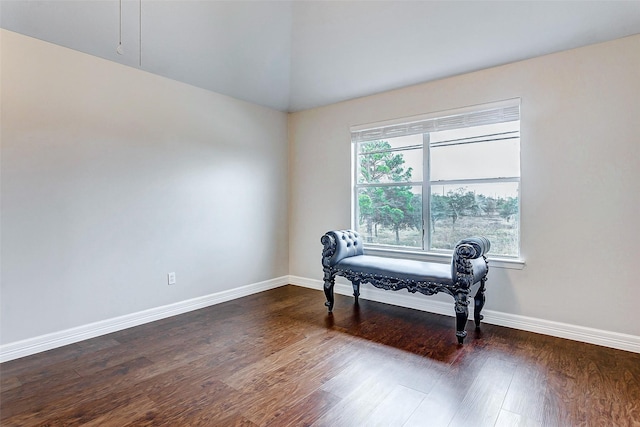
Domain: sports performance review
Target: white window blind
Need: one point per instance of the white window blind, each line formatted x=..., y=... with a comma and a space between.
x=501, y=112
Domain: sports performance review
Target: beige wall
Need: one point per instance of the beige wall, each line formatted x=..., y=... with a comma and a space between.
x=580, y=153
x=112, y=177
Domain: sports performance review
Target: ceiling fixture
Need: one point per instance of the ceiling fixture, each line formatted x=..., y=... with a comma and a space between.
x=140, y=33
x=119, y=49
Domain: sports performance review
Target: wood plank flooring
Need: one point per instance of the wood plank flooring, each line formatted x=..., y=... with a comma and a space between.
x=278, y=359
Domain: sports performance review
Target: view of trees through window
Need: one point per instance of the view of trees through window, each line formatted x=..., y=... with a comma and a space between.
x=390, y=187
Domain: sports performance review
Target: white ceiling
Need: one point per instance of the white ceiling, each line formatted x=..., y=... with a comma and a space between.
x=293, y=55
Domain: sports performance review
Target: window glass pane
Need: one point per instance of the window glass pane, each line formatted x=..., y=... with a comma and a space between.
x=391, y=215
x=489, y=210
x=472, y=169
x=480, y=152
x=401, y=142
x=391, y=160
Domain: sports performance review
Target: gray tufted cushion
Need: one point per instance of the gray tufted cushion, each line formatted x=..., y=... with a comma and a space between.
x=404, y=269
x=348, y=244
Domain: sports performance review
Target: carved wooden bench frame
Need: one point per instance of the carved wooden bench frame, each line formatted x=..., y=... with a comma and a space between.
x=459, y=289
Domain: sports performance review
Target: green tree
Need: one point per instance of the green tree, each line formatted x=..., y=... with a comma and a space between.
x=397, y=209
x=370, y=200
x=453, y=205
x=507, y=207
x=378, y=164
x=439, y=209
x=488, y=205
x=388, y=206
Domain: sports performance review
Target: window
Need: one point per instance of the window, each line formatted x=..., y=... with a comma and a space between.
x=426, y=182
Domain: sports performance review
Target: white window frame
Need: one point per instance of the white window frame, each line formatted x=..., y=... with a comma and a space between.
x=424, y=124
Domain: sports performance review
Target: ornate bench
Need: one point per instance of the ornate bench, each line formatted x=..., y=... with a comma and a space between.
x=343, y=255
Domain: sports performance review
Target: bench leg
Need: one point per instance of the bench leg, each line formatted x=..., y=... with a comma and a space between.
x=329, y=281
x=462, y=315
x=478, y=304
x=356, y=289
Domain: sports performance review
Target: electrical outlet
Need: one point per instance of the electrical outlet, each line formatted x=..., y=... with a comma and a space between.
x=171, y=278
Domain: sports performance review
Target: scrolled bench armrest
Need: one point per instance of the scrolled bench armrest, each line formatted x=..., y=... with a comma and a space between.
x=472, y=247
x=466, y=267
x=329, y=248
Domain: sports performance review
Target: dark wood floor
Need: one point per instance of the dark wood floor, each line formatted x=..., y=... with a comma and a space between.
x=278, y=359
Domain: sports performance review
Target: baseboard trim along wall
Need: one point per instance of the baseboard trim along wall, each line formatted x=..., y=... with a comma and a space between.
x=46, y=342
x=42, y=343
x=530, y=324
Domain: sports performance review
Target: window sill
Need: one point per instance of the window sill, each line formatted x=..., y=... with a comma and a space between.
x=497, y=262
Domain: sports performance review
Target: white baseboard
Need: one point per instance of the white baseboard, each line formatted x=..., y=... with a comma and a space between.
x=46, y=342
x=547, y=327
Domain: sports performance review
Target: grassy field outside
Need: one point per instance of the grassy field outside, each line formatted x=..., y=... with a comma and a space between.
x=502, y=234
